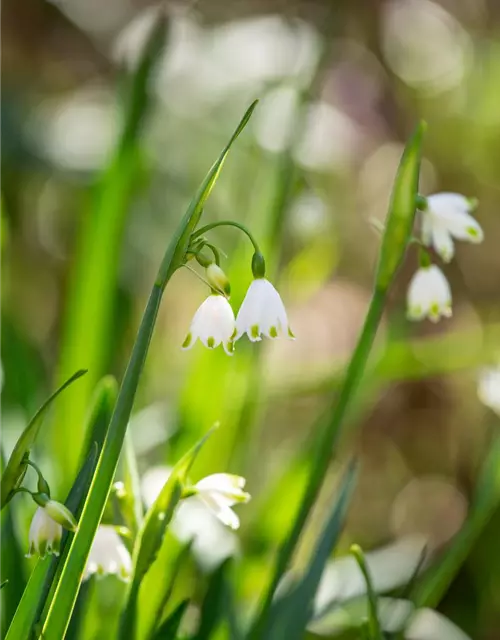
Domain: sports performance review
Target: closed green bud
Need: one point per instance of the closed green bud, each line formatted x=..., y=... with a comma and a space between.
x=399, y=222
x=61, y=514
x=218, y=280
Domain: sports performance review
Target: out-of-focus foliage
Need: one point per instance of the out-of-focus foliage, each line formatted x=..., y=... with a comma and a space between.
x=341, y=86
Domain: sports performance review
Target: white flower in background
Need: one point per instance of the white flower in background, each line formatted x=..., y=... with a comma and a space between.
x=44, y=535
x=213, y=324
x=447, y=217
x=262, y=313
x=488, y=388
x=219, y=492
x=429, y=295
x=212, y=542
x=108, y=555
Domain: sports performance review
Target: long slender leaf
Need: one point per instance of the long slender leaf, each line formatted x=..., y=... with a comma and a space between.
x=394, y=243
x=152, y=533
x=40, y=582
x=93, y=282
x=58, y=617
x=290, y=616
x=16, y=466
x=168, y=630
x=436, y=581
x=213, y=606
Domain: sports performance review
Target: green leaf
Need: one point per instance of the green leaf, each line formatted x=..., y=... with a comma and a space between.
x=41, y=580
x=58, y=616
x=400, y=218
x=291, y=614
x=433, y=586
x=328, y=430
x=102, y=404
x=373, y=624
x=132, y=509
x=192, y=216
x=87, y=331
x=213, y=607
x=169, y=628
x=150, y=537
x=16, y=467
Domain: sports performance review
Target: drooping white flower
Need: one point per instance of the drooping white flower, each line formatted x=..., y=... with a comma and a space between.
x=211, y=541
x=108, y=555
x=213, y=323
x=447, y=217
x=219, y=492
x=488, y=388
x=429, y=295
x=44, y=535
x=262, y=313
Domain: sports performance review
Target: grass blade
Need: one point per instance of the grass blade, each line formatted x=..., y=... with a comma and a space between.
x=16, y=466
x=92, y=286
x=37, y=591
x=374, y=630
x=436, y=580
x=290, y=616
x=168, y=629
x=150, y=538
x=398, y=228
x=64, y=600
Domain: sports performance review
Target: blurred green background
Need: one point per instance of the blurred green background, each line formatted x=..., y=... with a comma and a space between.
x=92, y=190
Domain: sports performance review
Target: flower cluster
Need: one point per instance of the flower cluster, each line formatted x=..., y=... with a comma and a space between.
x=445, y=217
x=262, y=312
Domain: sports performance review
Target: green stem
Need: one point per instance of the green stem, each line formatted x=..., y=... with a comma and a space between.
x=375, y=633
x=227, y=223
x=321, y=457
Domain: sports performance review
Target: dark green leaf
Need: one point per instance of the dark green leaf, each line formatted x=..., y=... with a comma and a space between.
x=169, y=628
x=16, y=466
x=36, y=594
x=290, y=615
x=213, y=608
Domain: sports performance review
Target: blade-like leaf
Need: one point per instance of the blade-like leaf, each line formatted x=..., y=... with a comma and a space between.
x=132, y=509
x=168, y=629
x=213, y=606
x=37, y=591
x=150, y=537
x=430, y=590
x=290, y=616
x=16, y=466
x=58, y=616
x=88, y=319
x=394, y=243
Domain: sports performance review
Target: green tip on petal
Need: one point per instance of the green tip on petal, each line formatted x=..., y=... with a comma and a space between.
x=473, y=203
x=273, y=332
x=254, y=331
x=187, y=342
x=230, y=346
x=211, y=342
x=291, y=334
x=472, y=232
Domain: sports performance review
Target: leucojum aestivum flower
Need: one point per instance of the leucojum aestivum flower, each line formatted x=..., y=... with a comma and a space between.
x=262, y=312
x=445, y=217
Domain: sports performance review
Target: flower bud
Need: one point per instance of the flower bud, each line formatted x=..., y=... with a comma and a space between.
x=60, y=514
x=218, y=279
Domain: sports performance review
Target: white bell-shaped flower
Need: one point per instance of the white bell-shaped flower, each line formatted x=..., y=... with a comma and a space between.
x=447, y=217
x=262, y=313
x=219, y=492
x=108, y=555
x=213, y=324
x=488, y=388
x=44, y=535
x=429, y=294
